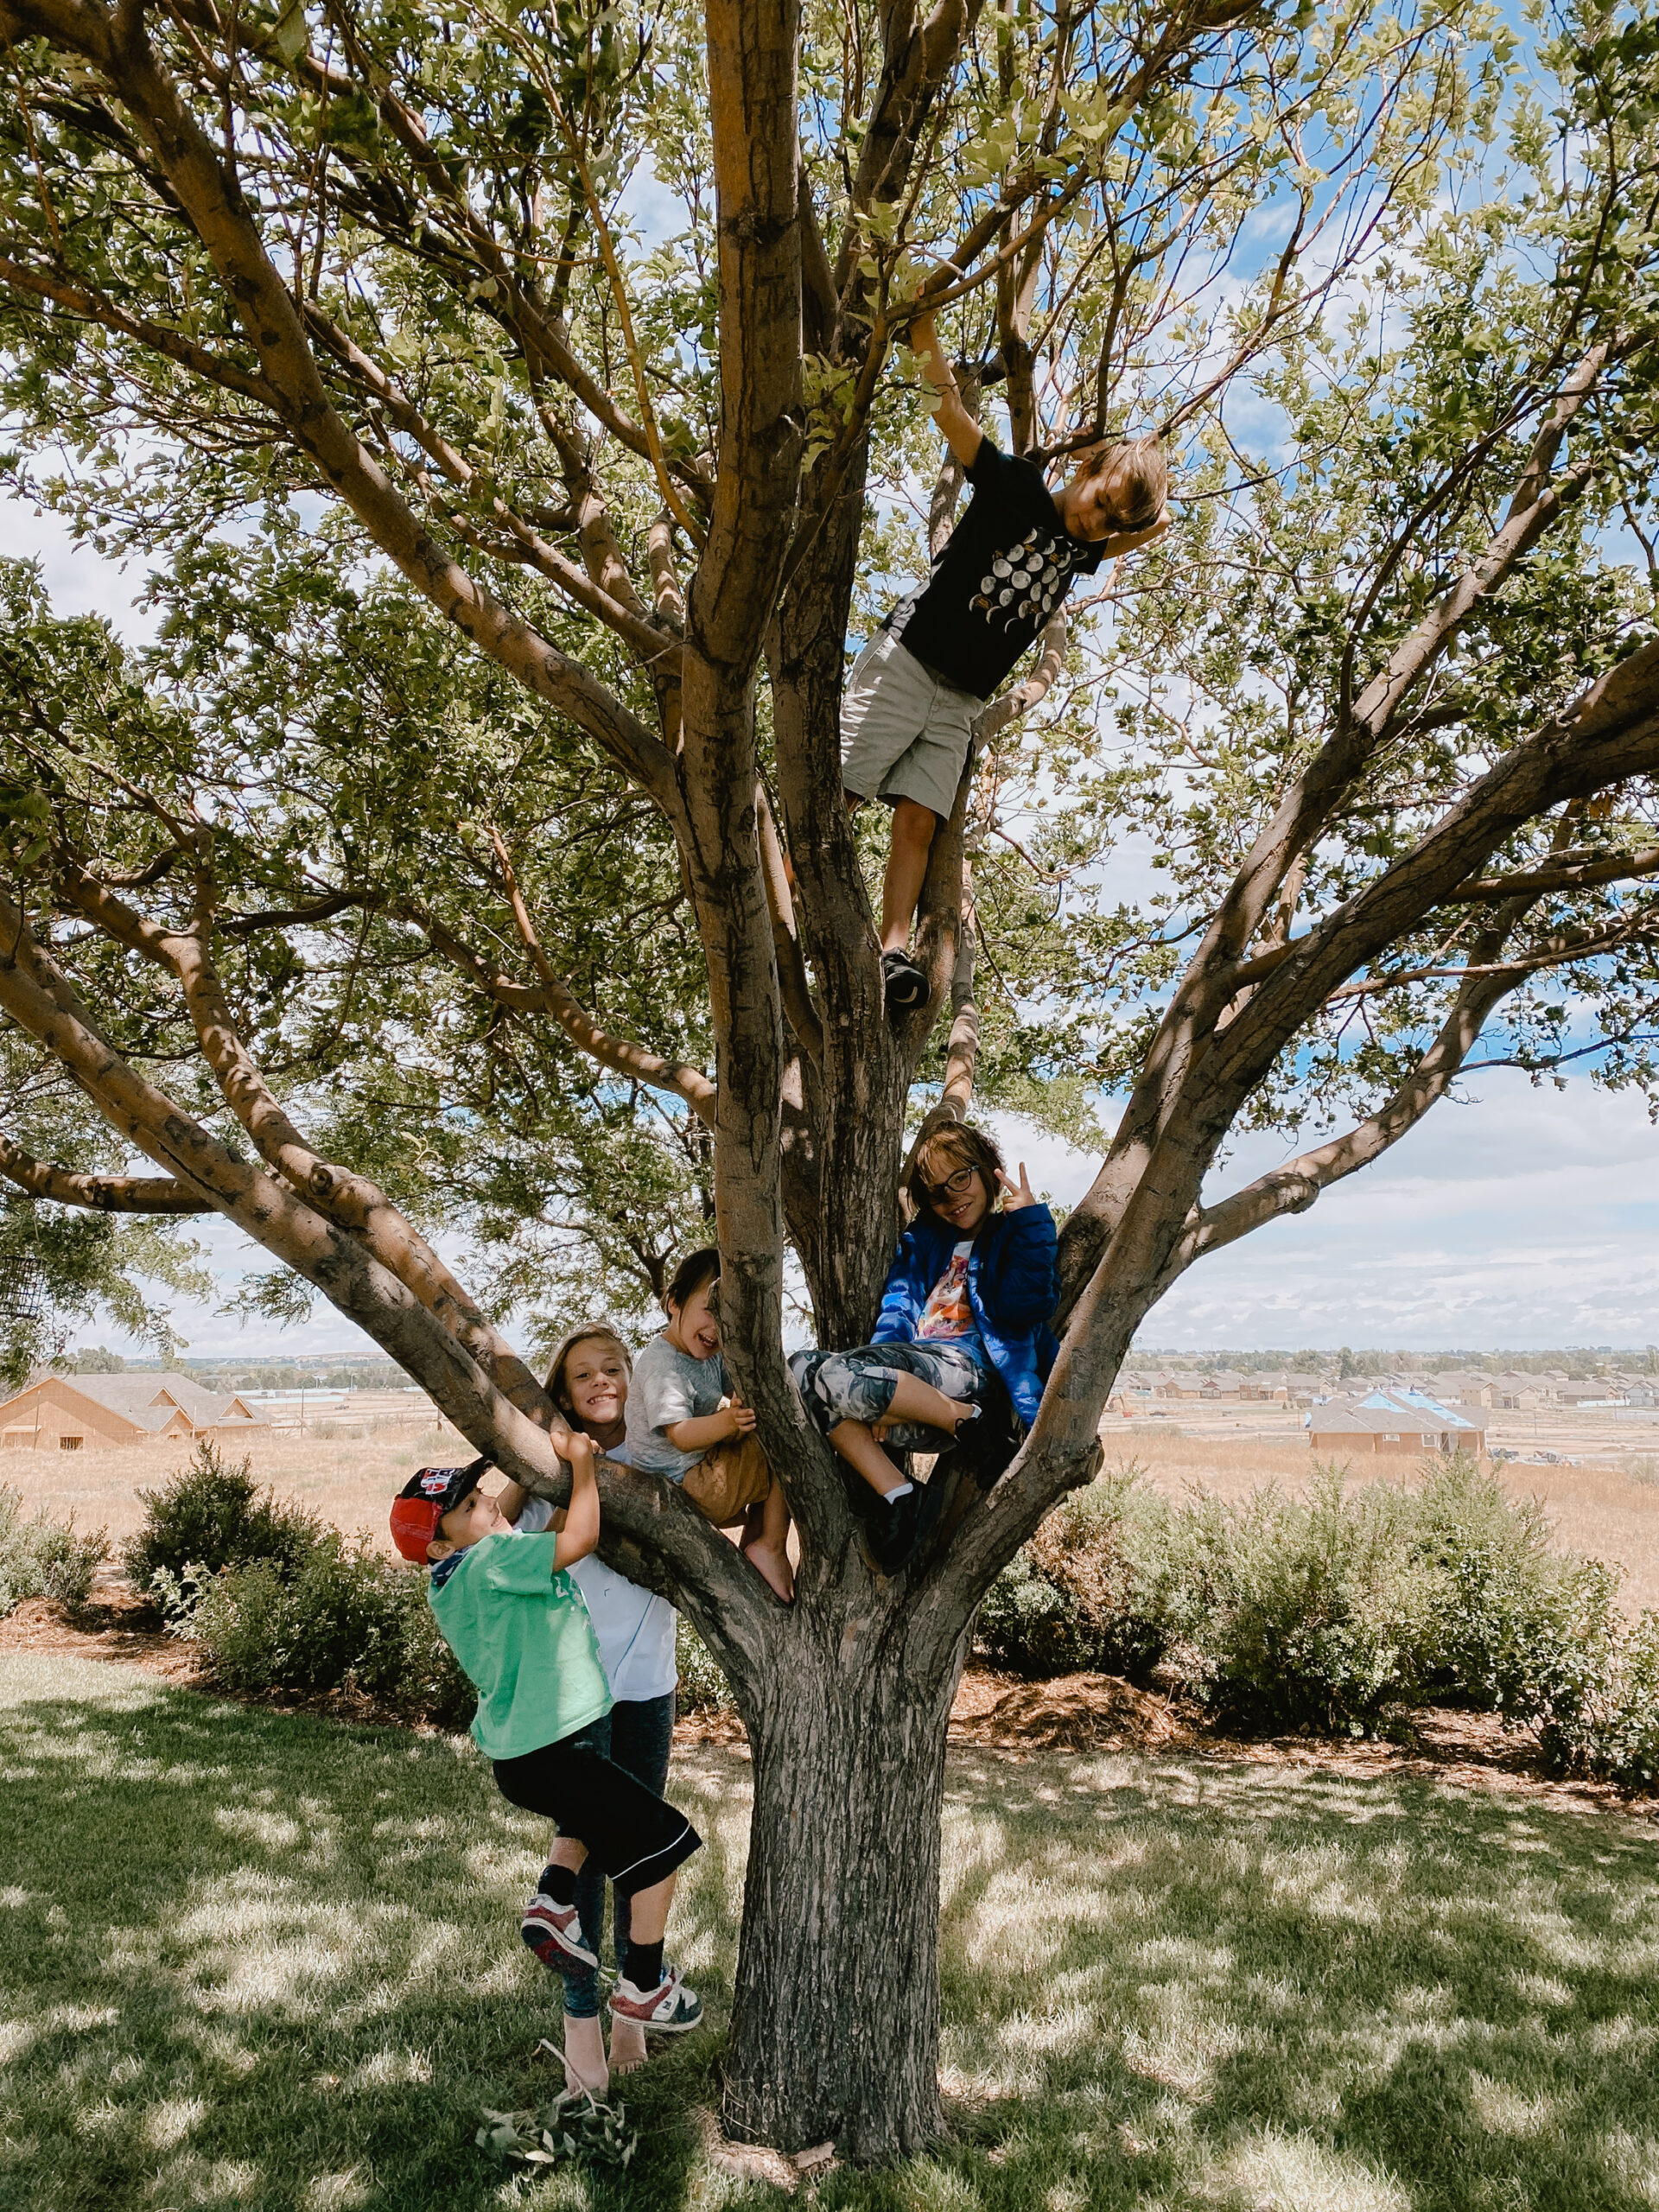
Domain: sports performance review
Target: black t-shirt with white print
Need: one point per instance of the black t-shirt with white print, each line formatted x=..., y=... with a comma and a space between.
x=1006, y=567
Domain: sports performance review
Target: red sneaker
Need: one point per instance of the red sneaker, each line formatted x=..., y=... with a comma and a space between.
x=668, y=2010
x=554, y=1933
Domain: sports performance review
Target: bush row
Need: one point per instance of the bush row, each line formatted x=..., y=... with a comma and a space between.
x=1340, y=1613
x=277, y=1600
x=42, y=1558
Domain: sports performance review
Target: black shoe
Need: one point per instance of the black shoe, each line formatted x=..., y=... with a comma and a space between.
x=893, y=1534
x=984, y=1448
x=909, y=1525
x=904, y=982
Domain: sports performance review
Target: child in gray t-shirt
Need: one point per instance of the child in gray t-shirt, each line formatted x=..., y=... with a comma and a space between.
x=684, y=1422
x=669, y=1387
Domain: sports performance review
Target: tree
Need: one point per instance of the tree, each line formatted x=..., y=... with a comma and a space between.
x=337, y=308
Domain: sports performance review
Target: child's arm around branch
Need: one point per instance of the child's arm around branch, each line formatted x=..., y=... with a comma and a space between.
x=957, y=426
x=513, y=1497
x=580, y=1531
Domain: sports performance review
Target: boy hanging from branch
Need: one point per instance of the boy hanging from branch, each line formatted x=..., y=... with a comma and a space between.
x=908, y=713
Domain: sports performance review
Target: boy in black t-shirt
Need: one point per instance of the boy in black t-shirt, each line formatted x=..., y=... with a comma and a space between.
x=907, y=716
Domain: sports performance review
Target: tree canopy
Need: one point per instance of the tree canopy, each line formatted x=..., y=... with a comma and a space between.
x=514, y=409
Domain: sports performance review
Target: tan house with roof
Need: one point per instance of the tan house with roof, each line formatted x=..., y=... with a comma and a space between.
x=66, y=1412
x=1400, y=1427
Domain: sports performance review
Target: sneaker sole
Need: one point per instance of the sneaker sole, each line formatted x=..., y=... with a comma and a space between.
x=563, y=1957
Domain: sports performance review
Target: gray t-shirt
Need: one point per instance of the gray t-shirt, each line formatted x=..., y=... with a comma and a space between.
x=667, y=1387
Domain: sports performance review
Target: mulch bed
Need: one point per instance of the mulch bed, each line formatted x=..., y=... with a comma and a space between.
x=1001, y=1714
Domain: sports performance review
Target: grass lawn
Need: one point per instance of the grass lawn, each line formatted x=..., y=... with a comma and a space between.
x=256, y=1959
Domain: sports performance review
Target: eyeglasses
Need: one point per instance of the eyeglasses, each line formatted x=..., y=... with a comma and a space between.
x=955, y=1186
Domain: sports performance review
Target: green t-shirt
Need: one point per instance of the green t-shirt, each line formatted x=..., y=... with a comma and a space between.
x=521, y=1632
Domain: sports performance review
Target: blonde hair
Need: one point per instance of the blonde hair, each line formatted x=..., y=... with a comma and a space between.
x=1134, y=478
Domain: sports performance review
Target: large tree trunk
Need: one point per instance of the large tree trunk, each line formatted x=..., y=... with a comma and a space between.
x=835, y=2025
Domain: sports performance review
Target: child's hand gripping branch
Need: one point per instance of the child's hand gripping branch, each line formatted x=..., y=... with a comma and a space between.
x=516, y=1623
x=908, y=711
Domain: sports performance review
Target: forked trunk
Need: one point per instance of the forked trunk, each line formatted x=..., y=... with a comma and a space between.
x=835, y=2024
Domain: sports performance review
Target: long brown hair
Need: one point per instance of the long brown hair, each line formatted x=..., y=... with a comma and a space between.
x=590, y=1332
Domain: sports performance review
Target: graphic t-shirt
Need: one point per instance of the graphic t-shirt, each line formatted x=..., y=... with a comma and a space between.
x=948, y=1318
x=1006, y=567
x=521, y=1635
x=669, y=1386
x=635, y=1628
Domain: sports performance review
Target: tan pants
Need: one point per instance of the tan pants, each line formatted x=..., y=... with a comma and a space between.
x=728, y=1479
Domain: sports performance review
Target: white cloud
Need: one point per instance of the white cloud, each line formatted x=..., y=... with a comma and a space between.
x=78, y=581
x=1524, y=1218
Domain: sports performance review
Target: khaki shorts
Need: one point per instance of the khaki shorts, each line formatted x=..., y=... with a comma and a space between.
x=904, y=733
x=728, y=1479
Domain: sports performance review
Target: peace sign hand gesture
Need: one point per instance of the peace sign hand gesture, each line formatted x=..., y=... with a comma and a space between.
x=1016, y=1195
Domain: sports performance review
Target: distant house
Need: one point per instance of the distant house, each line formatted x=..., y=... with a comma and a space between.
x=1393, y=1421
x=1182, y=1382
x=1222, y=1384
x=1595, y=1393
x=62, y=1413
x=1520, y=1393
x=1465, y=1389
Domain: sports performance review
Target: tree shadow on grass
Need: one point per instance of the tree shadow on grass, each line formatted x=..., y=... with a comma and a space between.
x=258, y=1959
x=1184, y=1983
x=253, y=1958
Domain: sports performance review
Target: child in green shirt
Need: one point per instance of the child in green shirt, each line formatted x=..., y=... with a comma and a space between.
x=516, y=1623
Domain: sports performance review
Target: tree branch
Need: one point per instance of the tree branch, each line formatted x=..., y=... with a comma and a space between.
x=172, y=344
x=1538, y=882
x=793, y=983
x=350, y=1202
x=1294, y=1188
x=552, y=996
x=67, y=1186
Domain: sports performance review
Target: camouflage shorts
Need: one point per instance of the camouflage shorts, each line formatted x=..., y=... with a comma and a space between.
x=859, y=1384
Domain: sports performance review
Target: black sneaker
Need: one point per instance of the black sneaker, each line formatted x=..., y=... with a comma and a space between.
x=904, y=982
x=984, y=1448
x=908, y=1527
x=892, y=1537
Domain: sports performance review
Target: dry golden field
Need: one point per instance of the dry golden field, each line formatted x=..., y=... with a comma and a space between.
x=351, y=1481
x=1603, y=1509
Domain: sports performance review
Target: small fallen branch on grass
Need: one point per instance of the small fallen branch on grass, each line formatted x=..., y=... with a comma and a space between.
x=574, y=2128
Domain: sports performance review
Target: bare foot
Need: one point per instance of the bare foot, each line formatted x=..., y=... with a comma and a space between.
x=584, y=2056
x=774, y=1566
x=628, y=2052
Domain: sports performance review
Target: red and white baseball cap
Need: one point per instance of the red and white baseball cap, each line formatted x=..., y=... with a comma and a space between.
x=430, y=1493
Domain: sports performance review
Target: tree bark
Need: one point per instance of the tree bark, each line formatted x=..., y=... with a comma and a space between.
x=835, y=2026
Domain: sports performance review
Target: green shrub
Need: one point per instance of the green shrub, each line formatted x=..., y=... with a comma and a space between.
x=1614, y=1733
x=348, y=1620
x=212, y=1516
x=1497, y=1592
x=1287, y=1615
x=43, y=1558
x=1342, y=1613
x=704, y=1688
x=1031, y=1624
x=1090, y=1589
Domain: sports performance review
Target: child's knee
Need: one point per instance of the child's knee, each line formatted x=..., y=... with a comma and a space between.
x=913, y=824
